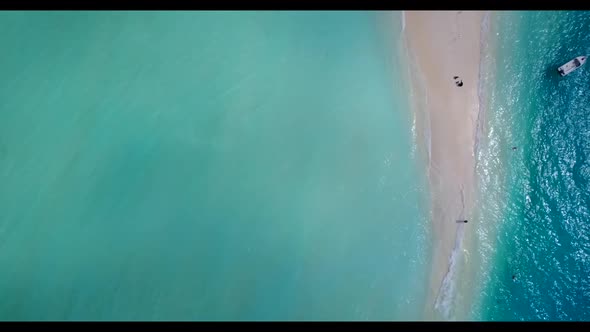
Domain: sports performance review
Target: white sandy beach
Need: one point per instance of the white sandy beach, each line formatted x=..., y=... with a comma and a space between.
x=442, y=45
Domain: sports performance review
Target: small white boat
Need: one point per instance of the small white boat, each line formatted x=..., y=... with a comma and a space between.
x=571, y=65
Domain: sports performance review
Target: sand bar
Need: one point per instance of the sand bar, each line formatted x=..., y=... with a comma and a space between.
x=442, y=45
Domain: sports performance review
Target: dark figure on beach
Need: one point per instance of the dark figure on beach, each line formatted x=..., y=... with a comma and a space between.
x=465, y=221
x=460, y=83
x=455, y=77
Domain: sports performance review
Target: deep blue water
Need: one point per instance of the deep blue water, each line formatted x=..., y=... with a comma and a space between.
x=536, y=199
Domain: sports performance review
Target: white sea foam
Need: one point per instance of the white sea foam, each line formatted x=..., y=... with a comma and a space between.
x=446, y=294
x=403, y=20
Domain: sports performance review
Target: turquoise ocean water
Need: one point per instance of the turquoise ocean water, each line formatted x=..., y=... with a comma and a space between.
x=534, y=218
x=210, y=166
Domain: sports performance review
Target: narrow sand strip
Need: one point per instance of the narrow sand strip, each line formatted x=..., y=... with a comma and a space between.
x=443, y=45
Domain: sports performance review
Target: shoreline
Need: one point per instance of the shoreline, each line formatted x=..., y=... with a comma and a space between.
x=442, y=45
